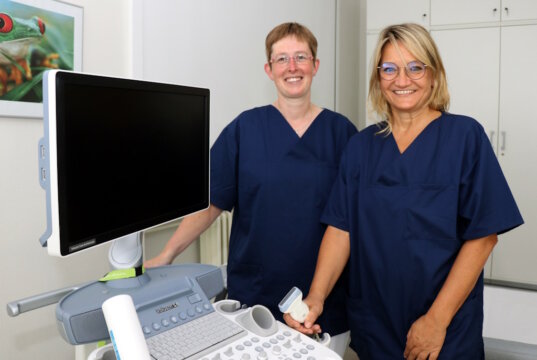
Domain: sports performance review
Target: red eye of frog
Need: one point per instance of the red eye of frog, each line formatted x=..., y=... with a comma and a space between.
x=41, y=26
x=6, y=24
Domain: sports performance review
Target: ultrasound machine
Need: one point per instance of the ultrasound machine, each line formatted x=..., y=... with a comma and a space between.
x=121, y=156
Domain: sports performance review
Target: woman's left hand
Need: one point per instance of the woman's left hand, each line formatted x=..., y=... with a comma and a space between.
x=424, y=339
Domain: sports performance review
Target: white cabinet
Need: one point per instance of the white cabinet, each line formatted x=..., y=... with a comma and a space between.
x=519, y=10
x=515, y=256
x=464, y=11
x=457, y=12
x=472, y=72
x=387, y=12
x=489, y=78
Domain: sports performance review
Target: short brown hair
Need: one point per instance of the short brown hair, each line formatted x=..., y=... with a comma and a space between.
x=301, y=32
x=417, y=40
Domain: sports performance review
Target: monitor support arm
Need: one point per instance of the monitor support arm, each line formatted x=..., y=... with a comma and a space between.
x=126, y=252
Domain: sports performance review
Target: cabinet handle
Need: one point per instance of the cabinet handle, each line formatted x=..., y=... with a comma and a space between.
x=494, y=10
x=424, y=16
x=506, y=10
x=502, y=147
x=491, y=136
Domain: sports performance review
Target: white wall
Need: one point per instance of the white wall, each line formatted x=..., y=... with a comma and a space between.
x=26, y=268
x=220, y=45
x=510, y=314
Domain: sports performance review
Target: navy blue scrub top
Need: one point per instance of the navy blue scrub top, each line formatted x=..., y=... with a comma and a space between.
x=408, y=216
x=277, y=185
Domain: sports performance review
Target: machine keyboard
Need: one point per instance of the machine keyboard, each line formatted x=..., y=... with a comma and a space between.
x=195, y=338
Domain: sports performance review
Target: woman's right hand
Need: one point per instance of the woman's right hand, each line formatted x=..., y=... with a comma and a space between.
x=309, y=327
x=188, y=230
x=159, y=260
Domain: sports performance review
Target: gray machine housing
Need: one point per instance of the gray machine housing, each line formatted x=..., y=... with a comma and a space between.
x=183, y=291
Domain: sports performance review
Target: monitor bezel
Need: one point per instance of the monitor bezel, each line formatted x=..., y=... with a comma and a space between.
x=54, y=80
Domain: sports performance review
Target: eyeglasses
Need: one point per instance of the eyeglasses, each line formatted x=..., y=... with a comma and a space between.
x=284, y=59
x=414, y=70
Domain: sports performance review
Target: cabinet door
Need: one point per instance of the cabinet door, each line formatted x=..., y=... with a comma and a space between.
x=381, y=13
x=472, y=60
x=519, y=10
x=515, y=255
x=371, y=43
x=444, y=12
x=472, y=75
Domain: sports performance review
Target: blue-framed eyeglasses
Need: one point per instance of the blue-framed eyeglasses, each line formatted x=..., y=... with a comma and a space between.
x=414, y=70
x=284, y=59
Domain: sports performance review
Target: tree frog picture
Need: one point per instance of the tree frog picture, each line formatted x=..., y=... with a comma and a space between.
x=16, y=36
x=32, y=40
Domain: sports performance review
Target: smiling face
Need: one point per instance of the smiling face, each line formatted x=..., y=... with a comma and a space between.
x=292, y=80
x=402, y=93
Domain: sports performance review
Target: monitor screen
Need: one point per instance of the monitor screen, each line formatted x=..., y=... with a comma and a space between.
x=120, y=156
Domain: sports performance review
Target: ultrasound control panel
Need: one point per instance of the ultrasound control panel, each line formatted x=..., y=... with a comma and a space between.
x=180, y=322
x=164, y=297
x=230, y=332
x=267, y=339
x=234, y=333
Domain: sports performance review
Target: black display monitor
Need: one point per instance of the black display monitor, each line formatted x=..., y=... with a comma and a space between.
x=119, y=156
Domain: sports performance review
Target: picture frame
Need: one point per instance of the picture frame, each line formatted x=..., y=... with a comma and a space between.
x=48, y=36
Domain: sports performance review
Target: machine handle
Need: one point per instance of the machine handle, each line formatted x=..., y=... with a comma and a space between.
x=17, y=307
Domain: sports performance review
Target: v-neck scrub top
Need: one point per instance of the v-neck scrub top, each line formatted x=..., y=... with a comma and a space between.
x=408, y=216
x=277, y=184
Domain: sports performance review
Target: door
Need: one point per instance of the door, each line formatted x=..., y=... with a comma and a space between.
x=472, y=61
x=513, y=10
x=473, y=78
x=464, y=12
x=515, y=257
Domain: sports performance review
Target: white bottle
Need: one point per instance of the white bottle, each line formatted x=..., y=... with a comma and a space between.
x=124, y=328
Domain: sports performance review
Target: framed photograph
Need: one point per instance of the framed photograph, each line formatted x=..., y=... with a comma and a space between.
x=35, y=36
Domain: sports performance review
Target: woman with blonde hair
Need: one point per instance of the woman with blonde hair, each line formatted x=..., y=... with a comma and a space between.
x=415, y=212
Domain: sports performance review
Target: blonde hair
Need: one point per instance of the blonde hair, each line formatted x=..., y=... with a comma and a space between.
x=417, y=40
x=297, y=30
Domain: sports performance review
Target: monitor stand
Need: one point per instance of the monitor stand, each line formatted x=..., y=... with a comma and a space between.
x=126, y=252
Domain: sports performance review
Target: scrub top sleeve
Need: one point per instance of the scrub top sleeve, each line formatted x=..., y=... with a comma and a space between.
x=224, y=162
x=336, y=212
x=486, y=204
x=351, y=129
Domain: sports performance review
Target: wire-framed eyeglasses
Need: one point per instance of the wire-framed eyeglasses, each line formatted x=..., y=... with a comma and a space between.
x=414, y=70
x=284, y=59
